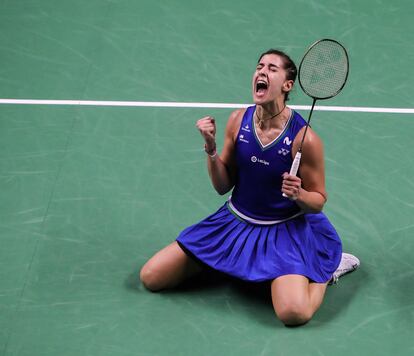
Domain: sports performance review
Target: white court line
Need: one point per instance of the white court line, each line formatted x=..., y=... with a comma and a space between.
x=196, y=105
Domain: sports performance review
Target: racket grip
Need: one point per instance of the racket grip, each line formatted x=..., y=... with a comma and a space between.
x=295, y=166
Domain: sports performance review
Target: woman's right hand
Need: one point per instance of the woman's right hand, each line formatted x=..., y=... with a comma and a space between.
x=207, y=128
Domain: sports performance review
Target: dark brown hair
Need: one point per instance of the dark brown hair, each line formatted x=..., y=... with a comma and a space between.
x=288, y=65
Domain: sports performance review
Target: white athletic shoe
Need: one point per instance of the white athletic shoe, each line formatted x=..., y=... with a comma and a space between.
x=348, y=264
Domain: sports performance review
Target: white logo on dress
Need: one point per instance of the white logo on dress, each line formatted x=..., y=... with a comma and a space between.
x=246, y=128
x=254, y=159
x=242, y=139
x=283, y=151
x=287, y=141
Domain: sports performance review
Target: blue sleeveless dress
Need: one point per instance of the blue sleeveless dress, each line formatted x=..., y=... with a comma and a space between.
x=258, y=235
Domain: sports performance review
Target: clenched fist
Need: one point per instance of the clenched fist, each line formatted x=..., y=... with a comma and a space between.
x=207, y=128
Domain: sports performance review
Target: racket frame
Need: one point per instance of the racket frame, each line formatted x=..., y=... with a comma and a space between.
x=303, y=59
x=296, y=161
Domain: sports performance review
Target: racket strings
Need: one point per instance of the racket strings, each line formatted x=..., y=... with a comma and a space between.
x=324, y=70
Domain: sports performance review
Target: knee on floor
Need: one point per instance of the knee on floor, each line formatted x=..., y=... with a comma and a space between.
x=294, y=314
x=150, y=278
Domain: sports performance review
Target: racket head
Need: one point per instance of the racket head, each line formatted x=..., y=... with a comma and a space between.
x=324, y=69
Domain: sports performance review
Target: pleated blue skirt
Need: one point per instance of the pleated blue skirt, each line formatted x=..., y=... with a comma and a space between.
x=307, y=245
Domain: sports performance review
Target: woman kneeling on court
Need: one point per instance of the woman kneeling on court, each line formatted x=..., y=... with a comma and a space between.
x=259, y=234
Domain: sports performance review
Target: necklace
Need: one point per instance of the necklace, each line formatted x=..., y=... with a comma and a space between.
x=261, y=121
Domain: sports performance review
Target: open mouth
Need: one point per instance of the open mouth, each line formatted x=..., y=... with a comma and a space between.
x=261, y=86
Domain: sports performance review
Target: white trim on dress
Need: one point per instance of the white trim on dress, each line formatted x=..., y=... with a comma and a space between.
x=259, y=222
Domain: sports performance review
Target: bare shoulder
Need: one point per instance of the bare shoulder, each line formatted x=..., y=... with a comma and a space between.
x=232, y=129
x=312, y=142
x=312, y=139
x=233, y=123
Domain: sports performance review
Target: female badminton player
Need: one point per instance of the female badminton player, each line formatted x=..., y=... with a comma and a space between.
x=272, y=227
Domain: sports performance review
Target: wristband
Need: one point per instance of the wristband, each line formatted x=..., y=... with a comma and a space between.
x=211, y=153
x=213, y=156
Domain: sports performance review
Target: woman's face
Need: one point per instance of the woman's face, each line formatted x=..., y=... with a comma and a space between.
x=269, y=80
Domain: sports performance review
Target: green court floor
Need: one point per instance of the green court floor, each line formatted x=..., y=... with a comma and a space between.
x=89, y=193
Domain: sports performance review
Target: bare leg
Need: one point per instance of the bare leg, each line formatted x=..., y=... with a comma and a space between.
x=295, y=300
x=168, y=268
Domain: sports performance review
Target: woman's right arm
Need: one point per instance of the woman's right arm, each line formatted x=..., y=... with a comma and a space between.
x=221, y=168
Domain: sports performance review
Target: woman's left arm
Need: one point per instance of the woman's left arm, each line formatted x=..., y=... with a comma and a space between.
x=308, y=188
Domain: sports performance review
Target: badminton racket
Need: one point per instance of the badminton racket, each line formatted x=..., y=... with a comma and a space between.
x=323, y=72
